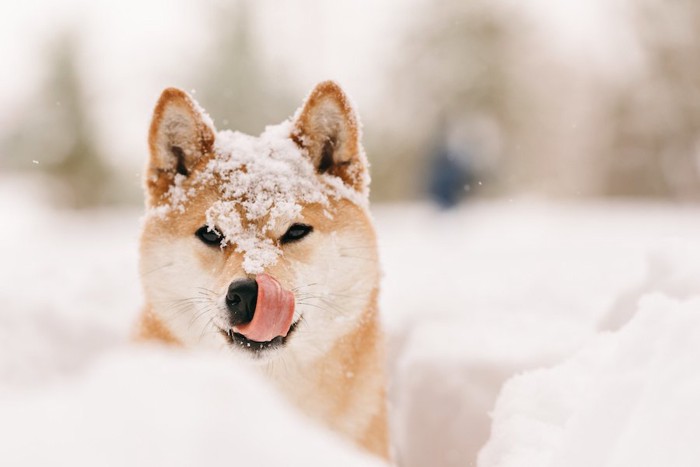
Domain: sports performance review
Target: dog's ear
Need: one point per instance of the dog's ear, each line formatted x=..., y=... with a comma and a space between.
x=181, y=134
x=327, y=127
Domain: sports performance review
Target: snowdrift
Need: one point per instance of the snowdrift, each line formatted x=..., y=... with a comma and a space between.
x=548, y=292
x=535, y=283
x=153, y=406
x=627, y=399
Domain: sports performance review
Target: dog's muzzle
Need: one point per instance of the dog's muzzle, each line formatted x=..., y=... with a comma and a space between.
x=260, y=309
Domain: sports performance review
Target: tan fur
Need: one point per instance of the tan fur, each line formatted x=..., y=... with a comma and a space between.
x=340, y=382
x=351, y=377
x=150, y=328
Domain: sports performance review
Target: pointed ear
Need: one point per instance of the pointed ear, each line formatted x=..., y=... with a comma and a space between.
x=327, y=127
x=181, y=135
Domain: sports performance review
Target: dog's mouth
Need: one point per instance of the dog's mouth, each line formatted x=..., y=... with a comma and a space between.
x=239, y=340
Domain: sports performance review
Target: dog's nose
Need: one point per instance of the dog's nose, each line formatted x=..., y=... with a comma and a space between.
x=241, y=299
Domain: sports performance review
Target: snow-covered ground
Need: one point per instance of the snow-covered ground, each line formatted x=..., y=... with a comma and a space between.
x=536, y=295
x=474, y=297
x=627, y=399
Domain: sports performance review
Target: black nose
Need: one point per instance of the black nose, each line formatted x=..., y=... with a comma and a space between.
x=241, y=299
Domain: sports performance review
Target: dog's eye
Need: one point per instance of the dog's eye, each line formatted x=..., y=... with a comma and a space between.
x=296, y=232
x=209, y=236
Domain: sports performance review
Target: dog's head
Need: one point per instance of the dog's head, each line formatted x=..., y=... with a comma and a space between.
x=262, y=245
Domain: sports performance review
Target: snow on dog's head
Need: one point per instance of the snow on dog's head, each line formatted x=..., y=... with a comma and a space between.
x=224, y=208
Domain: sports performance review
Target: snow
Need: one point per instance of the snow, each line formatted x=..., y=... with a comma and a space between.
x=148, y=406
x=626, y=399
x=538, y=333
x=521, y=286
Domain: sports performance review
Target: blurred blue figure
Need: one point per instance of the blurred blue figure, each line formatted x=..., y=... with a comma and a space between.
x=450, y=172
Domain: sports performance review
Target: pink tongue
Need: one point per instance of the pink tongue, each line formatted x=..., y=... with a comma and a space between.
x=274, y=311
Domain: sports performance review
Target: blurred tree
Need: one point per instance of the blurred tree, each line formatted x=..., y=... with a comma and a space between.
x=236, y=88
x=456, y=67
x=54, y=135
x=655, y=139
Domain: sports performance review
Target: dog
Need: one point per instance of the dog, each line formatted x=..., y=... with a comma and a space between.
x=263, y=248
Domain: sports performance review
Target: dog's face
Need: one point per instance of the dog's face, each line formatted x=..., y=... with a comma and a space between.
x=258, y=245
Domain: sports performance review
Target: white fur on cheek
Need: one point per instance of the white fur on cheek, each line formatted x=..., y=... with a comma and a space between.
x=180, y=291
x=335, y=286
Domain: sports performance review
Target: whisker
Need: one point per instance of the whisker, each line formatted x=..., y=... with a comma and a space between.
x=157, y=269
x=315, y=306
x=205, y=328
x=200, y=314
x=302, y=286
x=204, y=290
x=325, y=296
x=374, y=260
x=334, y=306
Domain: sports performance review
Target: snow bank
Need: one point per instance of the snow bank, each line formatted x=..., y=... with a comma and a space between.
x=70, y=285
x=473, y=297
x=149, y=406
x=672, y=268
x=496, y=289
x=628, y=399
x=447, y=376
x=469, y=299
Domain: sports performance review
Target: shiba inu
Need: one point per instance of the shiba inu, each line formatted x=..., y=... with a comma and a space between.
x=263, y=248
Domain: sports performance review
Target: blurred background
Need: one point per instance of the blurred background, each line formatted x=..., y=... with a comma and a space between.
x=535, y=170
x=500, y=98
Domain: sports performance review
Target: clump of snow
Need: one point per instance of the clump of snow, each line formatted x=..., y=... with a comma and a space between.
x=177, y=194
x=206, y=118
x=448, y=373
x=628, y=399
x=153, y=406
x=673, y=268
x=262, y=182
